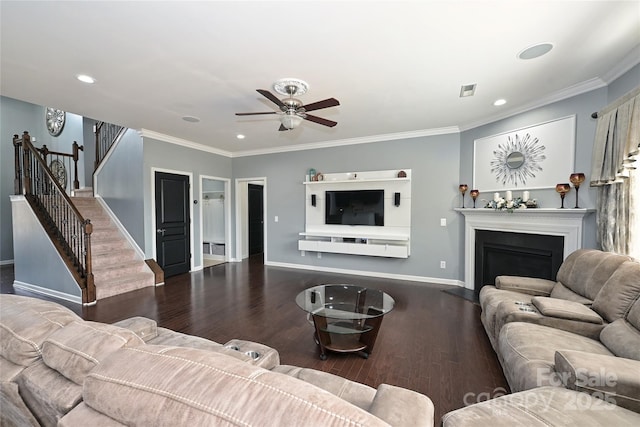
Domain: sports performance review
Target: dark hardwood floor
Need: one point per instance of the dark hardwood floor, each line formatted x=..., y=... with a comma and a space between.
x=432, y=342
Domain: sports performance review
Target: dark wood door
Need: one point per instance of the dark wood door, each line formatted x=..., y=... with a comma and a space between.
x=256, y=219
x=172, y=223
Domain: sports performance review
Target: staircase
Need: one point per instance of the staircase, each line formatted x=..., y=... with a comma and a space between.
x=116, y=266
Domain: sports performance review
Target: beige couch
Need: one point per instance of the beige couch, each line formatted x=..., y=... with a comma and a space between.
x=57, y=369
x=572, y=356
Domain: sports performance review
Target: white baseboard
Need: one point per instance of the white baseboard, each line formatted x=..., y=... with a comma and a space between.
x=48, y=292
x=411, y=278
x=6, y=262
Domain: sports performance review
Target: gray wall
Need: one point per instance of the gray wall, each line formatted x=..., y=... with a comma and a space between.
x=625, y=83
x=435, y=173
x=15, y=118
x=119, y=183
x=177, y=159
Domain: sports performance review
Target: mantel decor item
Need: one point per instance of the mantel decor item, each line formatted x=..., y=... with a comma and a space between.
x=474, y=195
x=533, y=157
x=402, y=174
x=463, y=189
x=562, y=189
x=501, y=204
x=577, y=179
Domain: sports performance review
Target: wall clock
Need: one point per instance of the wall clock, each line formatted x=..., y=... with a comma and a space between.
x=59, y=172
x=54, y=119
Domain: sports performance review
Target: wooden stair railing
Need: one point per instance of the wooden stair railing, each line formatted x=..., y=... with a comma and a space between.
x=68, y=230
x=106, y=135
x=73, y=157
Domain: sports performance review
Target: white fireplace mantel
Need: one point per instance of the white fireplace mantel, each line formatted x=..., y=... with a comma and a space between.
x=567, y=223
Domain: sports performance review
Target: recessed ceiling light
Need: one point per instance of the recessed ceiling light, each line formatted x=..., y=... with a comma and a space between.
x=240, y=136
x=535, y=51
x=500, y=102
x=467, y=90
x=85, y=78
x=191, y=119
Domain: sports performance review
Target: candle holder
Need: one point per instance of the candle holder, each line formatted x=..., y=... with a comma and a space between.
x=474, y=195
x=463, y=189
x=576, y=179
x=562, y=189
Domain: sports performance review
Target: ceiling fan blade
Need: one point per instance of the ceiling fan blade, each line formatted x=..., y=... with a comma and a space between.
x=271, y=97
x=253, y=114
x=320, y=120
x=282, y=127
x=326, y=103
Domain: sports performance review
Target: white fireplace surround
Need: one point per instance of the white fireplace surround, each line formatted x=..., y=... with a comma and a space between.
x=567, y=223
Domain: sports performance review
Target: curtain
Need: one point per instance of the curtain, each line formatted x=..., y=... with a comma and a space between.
x=613, y=171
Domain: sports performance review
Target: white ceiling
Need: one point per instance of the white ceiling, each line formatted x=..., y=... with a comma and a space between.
x=395, y=66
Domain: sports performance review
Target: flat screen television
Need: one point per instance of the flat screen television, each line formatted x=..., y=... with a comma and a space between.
x=355, y=207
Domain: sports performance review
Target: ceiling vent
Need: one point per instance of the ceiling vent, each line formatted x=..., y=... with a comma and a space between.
x=467, y=90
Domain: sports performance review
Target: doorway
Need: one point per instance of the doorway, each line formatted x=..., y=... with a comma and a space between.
x=172, y=215
x=256, y=218
x=214, y=216
x=251, y=214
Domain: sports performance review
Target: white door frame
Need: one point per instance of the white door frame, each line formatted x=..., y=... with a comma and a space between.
x=227, y=215
x=242, y=237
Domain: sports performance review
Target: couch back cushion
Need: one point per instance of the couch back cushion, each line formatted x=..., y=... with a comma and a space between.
x=80, y=346
x=173, y=386
x=586, y=270
x=24, y=325
x=619, y=292
x=622, y=337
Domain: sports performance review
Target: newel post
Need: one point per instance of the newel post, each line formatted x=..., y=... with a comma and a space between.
x=76, y=149
x=17, y=180
x=26, y=160
x=89, y=295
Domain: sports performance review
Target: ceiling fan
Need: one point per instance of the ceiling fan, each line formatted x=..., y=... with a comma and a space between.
x=292, y=110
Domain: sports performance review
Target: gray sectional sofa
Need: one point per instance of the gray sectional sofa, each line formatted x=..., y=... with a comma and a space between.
x=570, y=350
x=57, y=369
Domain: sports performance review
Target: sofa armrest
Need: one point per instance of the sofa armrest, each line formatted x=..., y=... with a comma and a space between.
x=610, y=378
x=145, y=328
x=525, y=285
x=553, y=307
x=401, y=407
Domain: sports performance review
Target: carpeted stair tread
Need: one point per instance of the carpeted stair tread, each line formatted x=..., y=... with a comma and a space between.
x=116, y=266
x=111, y=287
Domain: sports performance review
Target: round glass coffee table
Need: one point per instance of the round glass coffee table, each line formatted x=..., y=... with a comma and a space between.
x=346, y=317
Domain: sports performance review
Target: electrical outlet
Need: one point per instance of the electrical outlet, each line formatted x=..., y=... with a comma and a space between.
x=443, y=222
x=319, y=254
x=443, y=264
x=276, y=218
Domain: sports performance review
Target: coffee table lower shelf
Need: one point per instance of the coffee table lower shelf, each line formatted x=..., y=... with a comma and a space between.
x=341, y=338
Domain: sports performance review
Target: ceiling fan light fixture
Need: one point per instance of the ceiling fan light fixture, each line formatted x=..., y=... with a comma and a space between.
x=290, y=121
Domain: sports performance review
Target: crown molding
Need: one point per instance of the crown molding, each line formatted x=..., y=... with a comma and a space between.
x=628, y=62
x=350, y=141
x=571, y=91
x=146, y=133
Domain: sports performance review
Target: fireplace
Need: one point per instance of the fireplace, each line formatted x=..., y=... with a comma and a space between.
x=566, y=224
x=516, y=254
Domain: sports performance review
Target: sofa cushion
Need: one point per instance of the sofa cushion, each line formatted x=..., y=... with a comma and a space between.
x=80, y=346
x=360, y=395
x=619, y=292
x=9, y=370
x=560, y=291
x=83, y=415
x=145, y=328
x=622, y=339
x=203, y=388
x=611, y=378
x=563, y=309
x=168, y=337
x=542, y=407
x=528, y=350
x=525, y=285
x=401, y=407
x=14, y=411
x=47, y=393
x=586, y=270
x=24, y=325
